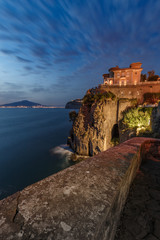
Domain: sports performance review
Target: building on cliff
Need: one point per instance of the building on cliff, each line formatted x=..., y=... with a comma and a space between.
x=124, y=76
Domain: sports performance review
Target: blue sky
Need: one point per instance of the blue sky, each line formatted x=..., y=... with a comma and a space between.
x=52, y=51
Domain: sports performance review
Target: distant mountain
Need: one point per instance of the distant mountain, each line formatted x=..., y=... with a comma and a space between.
x=74, y=104
x=24, y=103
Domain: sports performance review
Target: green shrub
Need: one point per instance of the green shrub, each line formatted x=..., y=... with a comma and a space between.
x=137, y=117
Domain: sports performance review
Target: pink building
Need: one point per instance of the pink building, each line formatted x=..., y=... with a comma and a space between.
x=124, y=76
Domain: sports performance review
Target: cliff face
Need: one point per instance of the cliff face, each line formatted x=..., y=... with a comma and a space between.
x=91, y=132
x=97, y=122
x=75, y=104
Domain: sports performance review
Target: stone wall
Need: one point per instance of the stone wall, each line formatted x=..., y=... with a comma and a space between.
x=133, y=91
x=83, y=201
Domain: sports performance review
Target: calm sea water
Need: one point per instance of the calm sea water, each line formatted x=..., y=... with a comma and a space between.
x=27, y=141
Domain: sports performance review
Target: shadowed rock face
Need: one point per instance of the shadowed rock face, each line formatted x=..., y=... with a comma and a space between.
x=91, y=132
x=156, y=121
x=75, y=104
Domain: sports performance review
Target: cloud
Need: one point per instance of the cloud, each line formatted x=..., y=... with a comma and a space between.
x=39, y=51
x=74, y=42
x=11, y=96
x=28, y=68
x=39, y=89
x=41, y=67
x=12, y=85
x=7, y=51
x=23, y=60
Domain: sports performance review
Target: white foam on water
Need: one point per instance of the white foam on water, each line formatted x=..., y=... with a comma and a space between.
x=64, y=150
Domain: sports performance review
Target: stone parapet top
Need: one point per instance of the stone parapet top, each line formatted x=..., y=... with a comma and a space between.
x=131, y=85
x=83, y=201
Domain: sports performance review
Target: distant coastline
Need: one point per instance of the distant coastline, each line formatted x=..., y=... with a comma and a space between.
x=30, y=107
x=27, y=104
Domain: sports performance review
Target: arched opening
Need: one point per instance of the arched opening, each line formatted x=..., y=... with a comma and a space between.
x=115, y=131
x=115, y=134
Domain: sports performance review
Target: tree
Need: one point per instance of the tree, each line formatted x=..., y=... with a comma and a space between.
x=151, y=73
x=153, y=78
x=73, y=115
x=143, y=77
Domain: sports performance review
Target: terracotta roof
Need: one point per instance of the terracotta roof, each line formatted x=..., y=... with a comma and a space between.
x=113, y=69
x=136, y=65
x=105, y=75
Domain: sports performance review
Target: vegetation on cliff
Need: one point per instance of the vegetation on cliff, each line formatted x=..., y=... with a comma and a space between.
x=137, y=121
x=73, y=115
x=97, y=96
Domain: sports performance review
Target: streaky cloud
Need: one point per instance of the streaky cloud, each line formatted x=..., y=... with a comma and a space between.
x=23, y=60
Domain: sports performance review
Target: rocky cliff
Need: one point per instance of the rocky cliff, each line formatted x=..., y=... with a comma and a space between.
x=91, y=132
x=95, y=126
x=74, y=104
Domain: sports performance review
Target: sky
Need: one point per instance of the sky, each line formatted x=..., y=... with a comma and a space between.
x=52, y=51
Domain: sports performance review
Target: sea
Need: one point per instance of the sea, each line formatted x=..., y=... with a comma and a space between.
x=32, y=146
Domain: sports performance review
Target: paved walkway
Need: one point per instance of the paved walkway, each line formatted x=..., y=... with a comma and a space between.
x=141, y=216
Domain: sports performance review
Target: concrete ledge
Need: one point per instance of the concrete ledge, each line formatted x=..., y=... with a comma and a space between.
x=83, y=201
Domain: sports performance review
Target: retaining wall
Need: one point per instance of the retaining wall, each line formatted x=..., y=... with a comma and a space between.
x=83, y=201
x=133, y=91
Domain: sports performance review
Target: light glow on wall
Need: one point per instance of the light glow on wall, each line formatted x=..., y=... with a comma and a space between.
x=135, y=82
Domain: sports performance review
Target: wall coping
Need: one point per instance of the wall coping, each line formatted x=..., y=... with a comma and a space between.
x=141, y=84
x=83, y=201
